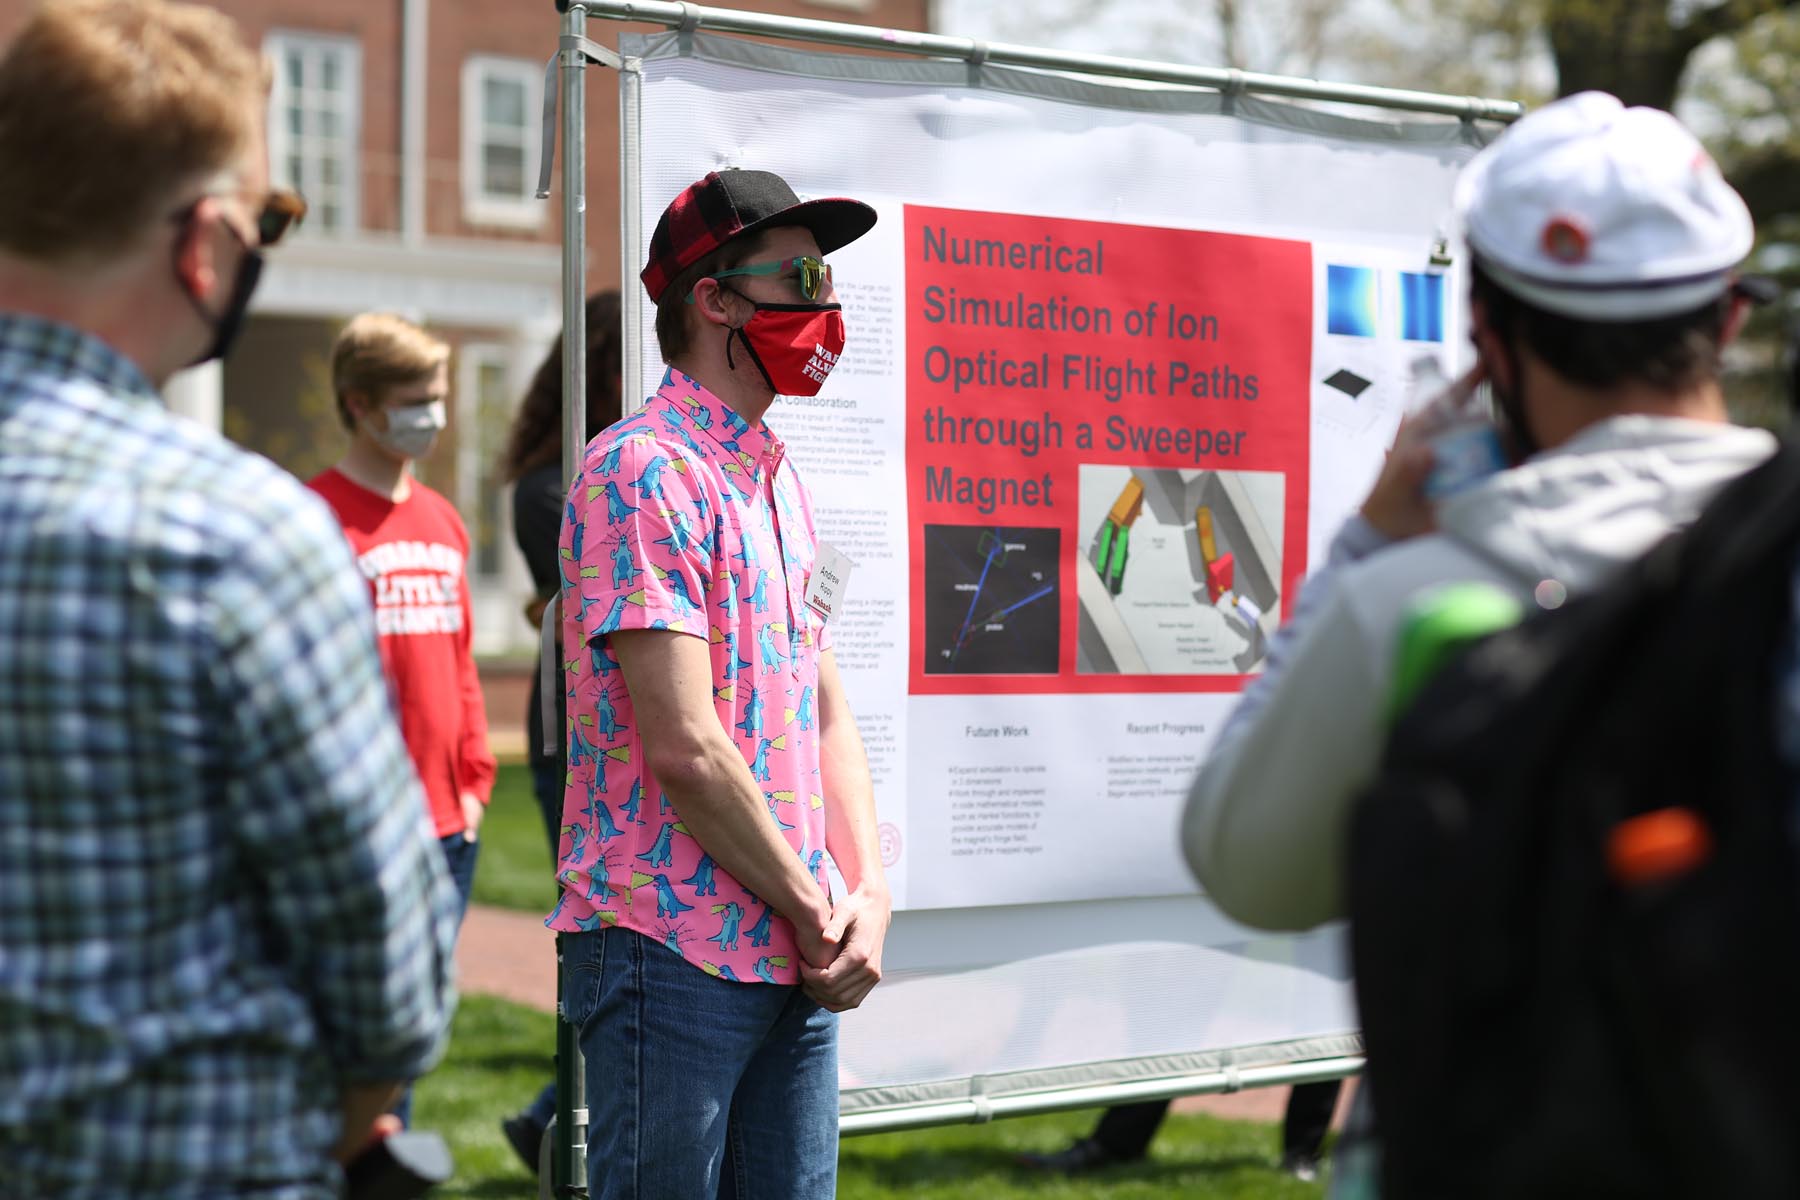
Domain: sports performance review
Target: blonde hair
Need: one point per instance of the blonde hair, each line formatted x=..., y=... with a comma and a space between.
x=108, y=108
x=377, y=351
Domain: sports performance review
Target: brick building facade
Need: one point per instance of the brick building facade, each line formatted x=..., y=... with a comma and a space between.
x=413, y=128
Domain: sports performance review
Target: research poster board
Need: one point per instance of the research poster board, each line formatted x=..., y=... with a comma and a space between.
x=1120, y=360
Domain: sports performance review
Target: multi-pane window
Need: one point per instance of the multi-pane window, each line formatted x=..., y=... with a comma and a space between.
x=484, y=405
x=314, y=112
x=502, y=102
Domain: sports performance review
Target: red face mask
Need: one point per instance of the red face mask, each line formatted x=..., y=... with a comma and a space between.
x=793, y=345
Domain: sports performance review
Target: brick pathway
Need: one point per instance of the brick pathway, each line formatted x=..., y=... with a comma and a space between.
x=512, y=955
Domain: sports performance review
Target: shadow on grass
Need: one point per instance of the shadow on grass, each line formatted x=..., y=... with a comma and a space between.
x=962, y=1164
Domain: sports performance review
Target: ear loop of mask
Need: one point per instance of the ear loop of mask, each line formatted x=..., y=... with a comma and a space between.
x=1511, y=402
x=737, y=331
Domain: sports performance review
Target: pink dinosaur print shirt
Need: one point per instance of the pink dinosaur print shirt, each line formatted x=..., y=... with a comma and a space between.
x=685, y=518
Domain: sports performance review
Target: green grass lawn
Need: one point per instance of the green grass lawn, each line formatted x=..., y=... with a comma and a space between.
x=514, y=870
x=499, y=1057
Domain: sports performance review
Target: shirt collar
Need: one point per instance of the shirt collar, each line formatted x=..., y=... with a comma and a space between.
x=753, y=447
x=35, y=345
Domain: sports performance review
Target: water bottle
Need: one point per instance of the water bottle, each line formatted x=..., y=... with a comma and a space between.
x=1456, y=419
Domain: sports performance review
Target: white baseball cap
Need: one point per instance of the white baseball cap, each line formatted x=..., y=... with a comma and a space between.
x=1593, y=210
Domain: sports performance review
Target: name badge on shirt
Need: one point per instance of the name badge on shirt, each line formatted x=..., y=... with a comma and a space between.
x=830, y=576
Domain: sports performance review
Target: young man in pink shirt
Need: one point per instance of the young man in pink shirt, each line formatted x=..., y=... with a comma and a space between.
x=713, y=761
x=392, y=382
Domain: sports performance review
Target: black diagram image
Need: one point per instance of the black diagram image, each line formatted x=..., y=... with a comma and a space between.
x=1181, y=572
x=991, y=600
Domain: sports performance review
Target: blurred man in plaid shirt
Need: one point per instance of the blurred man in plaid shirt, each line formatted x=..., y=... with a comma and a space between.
x=225, y=929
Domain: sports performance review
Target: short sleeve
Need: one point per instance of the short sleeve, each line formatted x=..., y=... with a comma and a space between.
x=641, y=537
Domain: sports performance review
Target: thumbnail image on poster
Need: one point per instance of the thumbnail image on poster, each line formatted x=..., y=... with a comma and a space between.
x=991, y=600
x=1180, y=572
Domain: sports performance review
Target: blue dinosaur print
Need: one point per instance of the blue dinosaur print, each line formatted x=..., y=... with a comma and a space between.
x=682, y=601
x=609, y=716
x=747, y=555
x=702, y=878
x=604, y=663
x=773, y=811
x=597, y=889
x=602, y=817
x=772, y=657
x=571, y=586
x=578, y=835
x=759, y=767
x=731, y=915
x=661, y=852
x=752, y=724
x=649, y=484
x=805, y=712
x=616, y=508
x=759, y=596
x=668, y=904
x=763, y=965
x=681, y=534
x=625, y=568
x=577, y=529
x=634, y=803
x=764, y=929
x=581, y=750
x=609, y=465
x=731, y=657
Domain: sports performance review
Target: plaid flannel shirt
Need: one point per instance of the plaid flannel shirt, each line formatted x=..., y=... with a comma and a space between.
x=220, y=899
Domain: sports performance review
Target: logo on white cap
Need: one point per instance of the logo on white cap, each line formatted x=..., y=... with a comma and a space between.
x=1565, y=240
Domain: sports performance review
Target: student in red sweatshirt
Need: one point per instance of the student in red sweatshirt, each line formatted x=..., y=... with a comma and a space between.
x=392, y=383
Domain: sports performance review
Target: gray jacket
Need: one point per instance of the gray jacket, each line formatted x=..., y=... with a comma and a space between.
x=1263, y=829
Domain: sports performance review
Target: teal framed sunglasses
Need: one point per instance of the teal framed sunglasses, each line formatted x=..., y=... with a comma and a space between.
x=813, y=273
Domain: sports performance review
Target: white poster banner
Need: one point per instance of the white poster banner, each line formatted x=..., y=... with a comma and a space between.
x=1120, y=360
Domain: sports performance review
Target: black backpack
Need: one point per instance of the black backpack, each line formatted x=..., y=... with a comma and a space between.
x=1535, y=1026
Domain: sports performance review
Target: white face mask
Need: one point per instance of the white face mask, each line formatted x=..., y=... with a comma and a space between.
x=412, y=430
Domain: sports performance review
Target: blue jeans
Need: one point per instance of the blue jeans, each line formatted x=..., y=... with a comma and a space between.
x=697, y=1086
x=459, y=856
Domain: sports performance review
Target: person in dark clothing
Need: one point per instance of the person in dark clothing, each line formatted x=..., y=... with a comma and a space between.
x=533, y=463
x=1124, y=1132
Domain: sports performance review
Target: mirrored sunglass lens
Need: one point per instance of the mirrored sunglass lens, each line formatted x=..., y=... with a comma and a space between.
x=280, y=213
x=812, y=274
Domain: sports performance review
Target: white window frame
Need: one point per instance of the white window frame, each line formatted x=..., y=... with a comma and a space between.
x=277, y=46
x=524, y=211
x=497, y=595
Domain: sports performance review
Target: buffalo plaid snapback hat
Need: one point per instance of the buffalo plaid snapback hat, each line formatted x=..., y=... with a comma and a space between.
x=729, y=204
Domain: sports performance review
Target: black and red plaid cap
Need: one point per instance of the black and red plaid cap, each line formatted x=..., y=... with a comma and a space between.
x=729, y=204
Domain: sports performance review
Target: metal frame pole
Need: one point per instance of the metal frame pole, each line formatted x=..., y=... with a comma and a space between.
x=932, y=45
x=980, y=1109
x=569, y=1154
x=631, y=229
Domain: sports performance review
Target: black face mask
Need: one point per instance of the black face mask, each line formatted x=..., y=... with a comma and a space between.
x=1510, y=402
x=229, y=323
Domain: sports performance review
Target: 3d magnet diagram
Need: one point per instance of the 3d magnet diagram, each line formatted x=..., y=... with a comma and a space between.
x=1180, y=570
